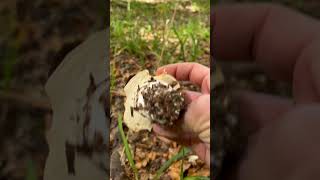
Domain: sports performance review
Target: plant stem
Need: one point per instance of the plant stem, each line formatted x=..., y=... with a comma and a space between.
x=168, y=163
x=127, y=148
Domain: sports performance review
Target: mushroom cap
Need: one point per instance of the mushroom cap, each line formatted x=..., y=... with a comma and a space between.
x=134, y=119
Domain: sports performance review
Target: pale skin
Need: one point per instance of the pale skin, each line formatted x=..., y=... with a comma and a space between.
x=283, y=133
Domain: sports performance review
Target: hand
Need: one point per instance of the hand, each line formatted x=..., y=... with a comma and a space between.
x=283, y=134
x=194, y=129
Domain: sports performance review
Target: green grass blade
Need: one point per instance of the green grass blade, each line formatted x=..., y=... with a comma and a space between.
x=126, y=148
x=181, y=166
x=168, y=163
x=31, y=171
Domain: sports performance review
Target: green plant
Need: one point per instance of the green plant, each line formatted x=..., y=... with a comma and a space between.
x=182, y=153
x=127, y=148
x=182, y=42
x=195, y=48
x=203, y=5
x=157, y=20
x=189, y=177
x=9, y=59
x=31, y=171
x=181, y=167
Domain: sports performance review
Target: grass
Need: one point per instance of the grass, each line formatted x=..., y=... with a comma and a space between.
x=127, y=148
x=143, y=29
x=181, y=167
x=181, y=154
x=31, y=171
x=9, y=59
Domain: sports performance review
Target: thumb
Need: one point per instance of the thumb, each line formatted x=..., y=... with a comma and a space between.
x=197, y=118
x=258, y=109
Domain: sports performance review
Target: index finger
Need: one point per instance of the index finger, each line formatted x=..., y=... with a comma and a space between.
x=194, y=72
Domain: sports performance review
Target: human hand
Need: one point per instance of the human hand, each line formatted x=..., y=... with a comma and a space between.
x=194, y=129
x=283, y=134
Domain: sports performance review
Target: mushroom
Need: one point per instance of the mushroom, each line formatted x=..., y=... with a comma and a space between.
x=152, y=99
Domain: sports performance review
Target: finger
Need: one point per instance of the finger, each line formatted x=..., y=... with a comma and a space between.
x=199, y=148
x=255, y=35
x=164, y=132
x=174, y=134
x=203, y=152
x=197, y=118
x=190, y=96
x=194, y=72
x=286, y=148
x=306, y=81
x=256, y=110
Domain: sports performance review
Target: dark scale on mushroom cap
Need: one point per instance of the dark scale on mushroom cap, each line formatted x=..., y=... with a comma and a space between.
x=163, y=106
